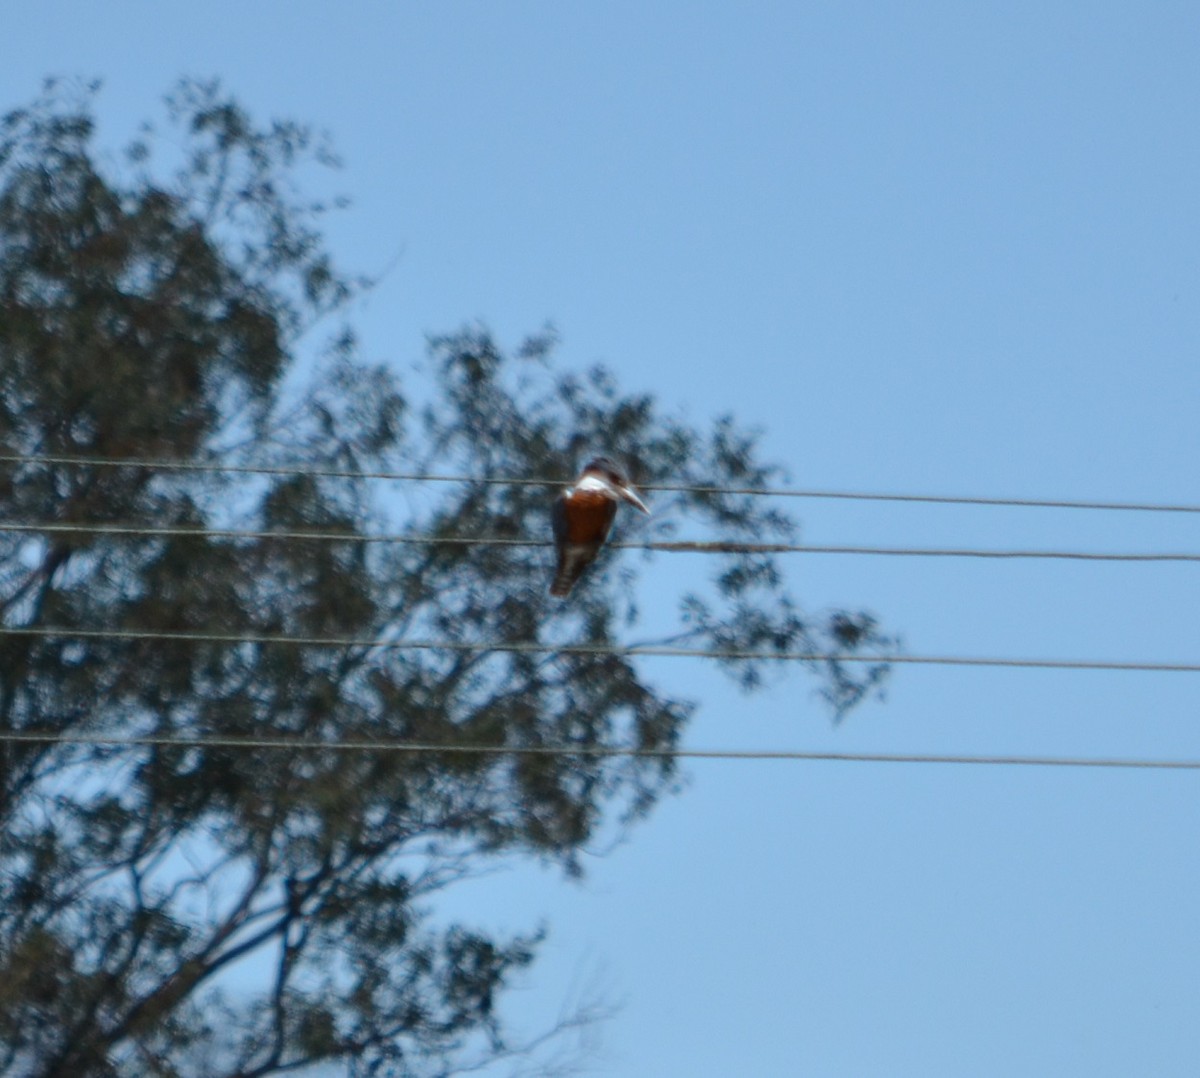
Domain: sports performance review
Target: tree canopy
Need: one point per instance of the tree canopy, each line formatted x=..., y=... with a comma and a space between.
x=216, y=909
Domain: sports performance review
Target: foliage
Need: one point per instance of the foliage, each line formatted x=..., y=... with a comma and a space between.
x=145, y=318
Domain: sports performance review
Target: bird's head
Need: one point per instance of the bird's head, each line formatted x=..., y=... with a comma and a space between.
x=606, y=476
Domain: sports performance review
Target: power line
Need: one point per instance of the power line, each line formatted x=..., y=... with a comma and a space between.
x=424, y=748
x=633, y=651
x=670, y=546
x=774, y=492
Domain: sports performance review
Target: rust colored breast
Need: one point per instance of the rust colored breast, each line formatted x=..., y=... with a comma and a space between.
x=589, y=517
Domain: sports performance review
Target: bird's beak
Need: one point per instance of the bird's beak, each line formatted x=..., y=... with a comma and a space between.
x=631, y=497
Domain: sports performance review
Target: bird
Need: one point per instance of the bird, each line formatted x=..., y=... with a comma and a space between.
x=583, y=515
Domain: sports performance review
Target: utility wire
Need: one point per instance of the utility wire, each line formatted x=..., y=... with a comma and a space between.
x=243, y=744
x=680, y=547
x=350, y=473
x=633, y=651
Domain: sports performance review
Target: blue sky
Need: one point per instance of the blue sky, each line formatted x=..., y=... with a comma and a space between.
x=939, y=247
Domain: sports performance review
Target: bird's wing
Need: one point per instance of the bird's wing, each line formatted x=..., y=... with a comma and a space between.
x=558, y=517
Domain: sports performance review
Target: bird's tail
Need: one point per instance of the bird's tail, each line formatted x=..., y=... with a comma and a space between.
x=572, y=560
x=564, y=581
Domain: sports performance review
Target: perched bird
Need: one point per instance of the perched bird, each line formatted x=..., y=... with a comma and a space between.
x=583, y=515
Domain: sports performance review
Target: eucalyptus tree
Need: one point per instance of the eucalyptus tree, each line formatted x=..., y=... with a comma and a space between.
x=176, y=899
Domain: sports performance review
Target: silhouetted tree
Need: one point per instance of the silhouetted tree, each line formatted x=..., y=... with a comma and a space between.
x=149, y=316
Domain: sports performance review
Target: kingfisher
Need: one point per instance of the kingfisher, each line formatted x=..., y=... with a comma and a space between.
x=583, y=515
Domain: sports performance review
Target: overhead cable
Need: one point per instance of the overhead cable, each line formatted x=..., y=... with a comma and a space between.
x=670, y=546
x=633, y=651
x=292, y=744
x=689, y=488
